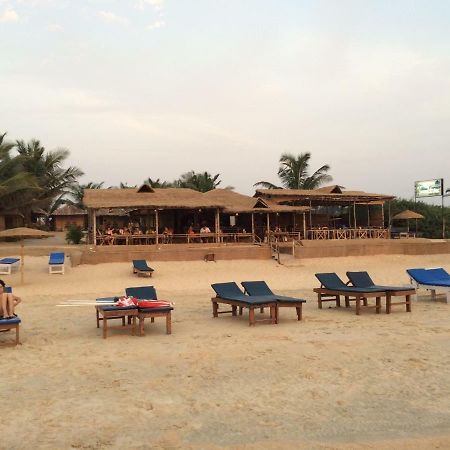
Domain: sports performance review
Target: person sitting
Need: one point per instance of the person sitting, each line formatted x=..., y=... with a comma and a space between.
x=203, y=231
x=109, y=236
x=8, y=302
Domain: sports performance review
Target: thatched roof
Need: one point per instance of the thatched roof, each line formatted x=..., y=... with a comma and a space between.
x=408, y=214
x=325, y=195
x=24, y=232
x=179, y=198
x=171, y=198
x=69, y=210
x=113, y=212
x=233, y=202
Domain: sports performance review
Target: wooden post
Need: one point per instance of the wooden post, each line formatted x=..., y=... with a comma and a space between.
x=94, y=226
x=310, y=214
x=156, y=226
x=382, y=215
x=354, y=214
x=268, y=227
x=253, y=227
x=217, y=220
x=304, y=226
x=368, y=215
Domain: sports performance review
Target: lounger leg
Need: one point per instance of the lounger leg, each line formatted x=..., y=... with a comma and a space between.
x=433, y=294
x=153, y=320
x=215, y=309
x=388, y=303
x=347, y=302
x=299, y=312
x=141, y=326
x=408, y=303
x=378, y=308
x=251, y=316
x=358, y=305
x=338, y=301
x=169, y=323
x=98, y=317
x=364, y=301
x=234, y=310
x=261, y=310
x=133, y=326
x=105, y=327
x=240, y=310
x=123, y=321
x=319, y=300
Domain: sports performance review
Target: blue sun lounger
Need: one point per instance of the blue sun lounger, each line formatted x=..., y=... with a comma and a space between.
x=7, y=265
x=230, y=294
x=332, y=287
x=261, y=289
x=149, y=293
x=363, y=280
x=141, y=268
x=11, y=324
x=56, y=262
x=431, y=279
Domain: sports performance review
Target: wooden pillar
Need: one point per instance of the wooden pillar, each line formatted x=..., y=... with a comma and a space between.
x=382, y=215
x=304, y=226
x=268, y=227
x=253, y=227
x=157, y=226
x=389, y=215
x=310, y=214
x=217, y=220
x=293, y=219
x=94, y=226
x=368, y=215
x=354, y=214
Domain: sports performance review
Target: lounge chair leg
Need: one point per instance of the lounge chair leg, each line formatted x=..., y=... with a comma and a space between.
x=251, y=316
x=141, y=326
x=408, y=303
x=364, y=301
x=153, y=320
x=234, y=310
x=123, y=321
x=299, y=312
x=133, y=326
x=338, y=301
x=358, y=305
x=98, y=318
x=347, y=301
x=169, y=323
x=433, y=294
x=388, y=303
x=273, y=314
x=215, y=309
x=319, y=300
x=378, y=303
x=261, y=310
x=240, y=310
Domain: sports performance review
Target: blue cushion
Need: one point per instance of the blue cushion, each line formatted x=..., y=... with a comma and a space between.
x=116, y=308
x=9, y=321
x=8, y=260
x=141, y=265
x=155, y=310
x=56, y=258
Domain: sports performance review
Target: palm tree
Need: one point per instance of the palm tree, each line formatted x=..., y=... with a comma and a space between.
x=293, y=173
x=158, y=183
x=201, y=181
x=13, y=179
x=53, y=180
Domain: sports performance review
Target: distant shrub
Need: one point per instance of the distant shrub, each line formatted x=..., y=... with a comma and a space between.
x=74, y=234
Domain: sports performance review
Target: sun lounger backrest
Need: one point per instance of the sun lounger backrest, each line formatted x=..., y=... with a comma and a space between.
x=360, y=279
x=256, y=288
x=141, y=264
x=56, y=258
x=438, y=274
x=142, y=292
x=226, y=290
x=428, y=276
x=331, y=281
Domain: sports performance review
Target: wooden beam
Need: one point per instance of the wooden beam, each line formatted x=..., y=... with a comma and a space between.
x=94, y=225
x=156, y=226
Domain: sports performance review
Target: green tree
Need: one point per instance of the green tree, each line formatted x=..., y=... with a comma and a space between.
x=158, y=183
x=200, y=181
x=293, y=173
x=77, y=193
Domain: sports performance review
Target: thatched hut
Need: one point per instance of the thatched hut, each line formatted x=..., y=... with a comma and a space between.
x=69, y=215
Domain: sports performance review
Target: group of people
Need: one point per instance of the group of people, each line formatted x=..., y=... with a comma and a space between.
x=8, y=302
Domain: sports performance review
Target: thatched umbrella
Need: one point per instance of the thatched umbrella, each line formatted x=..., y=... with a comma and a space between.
x=407, y=215
x=23, y=233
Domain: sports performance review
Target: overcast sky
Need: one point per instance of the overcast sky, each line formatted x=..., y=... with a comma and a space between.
x=154, y=88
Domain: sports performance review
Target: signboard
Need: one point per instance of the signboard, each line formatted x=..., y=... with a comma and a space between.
x=429, y=188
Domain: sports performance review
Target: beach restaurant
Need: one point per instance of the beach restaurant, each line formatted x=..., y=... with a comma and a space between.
x=149, y=215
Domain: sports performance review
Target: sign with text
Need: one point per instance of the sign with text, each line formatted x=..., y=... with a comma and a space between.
x=429, y=188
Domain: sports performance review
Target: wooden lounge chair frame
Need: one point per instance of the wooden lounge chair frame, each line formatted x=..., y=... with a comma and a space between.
x=235, y=304
x=106, y=315
x=11, y=326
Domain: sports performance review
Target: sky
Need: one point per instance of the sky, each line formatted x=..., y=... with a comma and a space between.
x=155, y=88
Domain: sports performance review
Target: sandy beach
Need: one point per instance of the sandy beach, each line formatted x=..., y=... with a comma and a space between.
x=334, y=380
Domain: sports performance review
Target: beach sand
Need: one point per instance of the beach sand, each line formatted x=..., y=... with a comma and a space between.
x=334, y=380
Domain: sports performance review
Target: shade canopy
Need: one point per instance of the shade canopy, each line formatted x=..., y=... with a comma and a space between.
x=23, y=233
x=408, y=214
